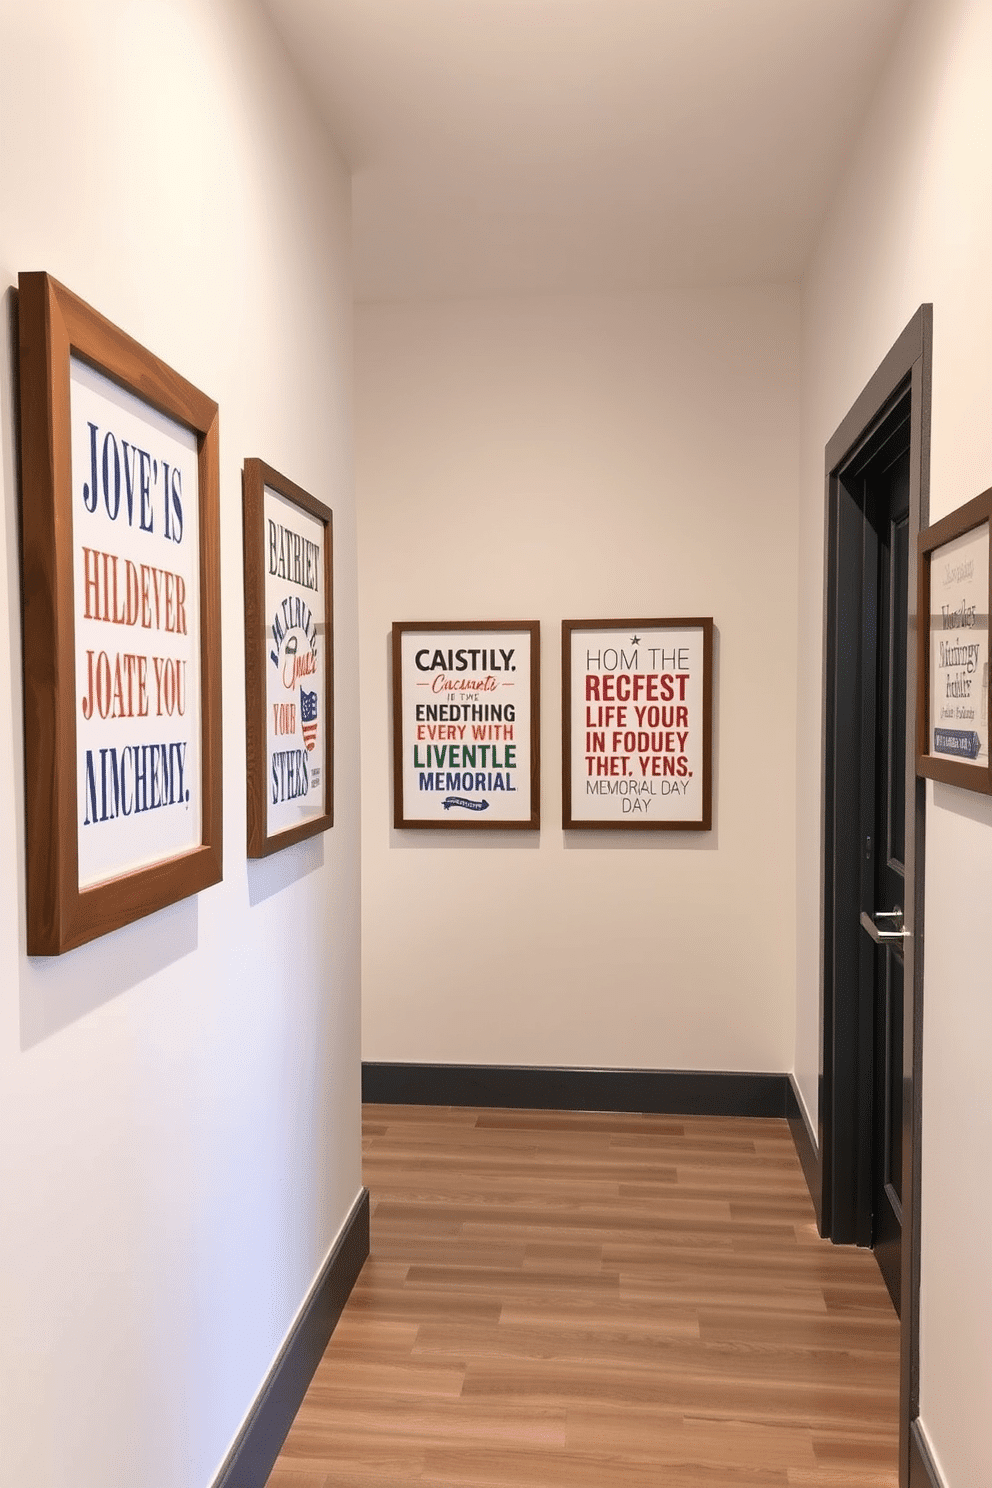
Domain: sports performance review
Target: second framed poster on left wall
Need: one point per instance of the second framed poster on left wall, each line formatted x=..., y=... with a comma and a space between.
x=121, y=601
x=289, y=676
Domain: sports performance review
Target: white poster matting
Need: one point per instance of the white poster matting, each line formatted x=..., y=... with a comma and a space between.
x=136, y=616
x=466, y=725
x=959, y=648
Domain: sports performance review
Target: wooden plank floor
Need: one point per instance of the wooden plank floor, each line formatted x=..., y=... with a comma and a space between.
x=566, y=1300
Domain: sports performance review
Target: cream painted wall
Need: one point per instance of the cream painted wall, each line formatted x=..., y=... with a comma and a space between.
x=548, y=459
x=179, y=1102
x=913, y=222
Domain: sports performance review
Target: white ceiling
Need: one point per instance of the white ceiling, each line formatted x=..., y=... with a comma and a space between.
x=552, y=145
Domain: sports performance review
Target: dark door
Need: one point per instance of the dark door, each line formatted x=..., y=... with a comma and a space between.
x=869, y=887
x=885, y=497
x=874, y=830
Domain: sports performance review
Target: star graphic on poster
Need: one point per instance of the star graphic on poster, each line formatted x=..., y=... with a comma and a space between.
x=635, y=640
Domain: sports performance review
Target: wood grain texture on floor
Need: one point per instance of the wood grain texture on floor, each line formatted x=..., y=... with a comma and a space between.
x=572, y=1300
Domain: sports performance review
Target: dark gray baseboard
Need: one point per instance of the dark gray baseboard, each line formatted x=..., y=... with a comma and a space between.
x=536, y=1088
x=806, y=1151
x=250, y=1460
x=922, y=1469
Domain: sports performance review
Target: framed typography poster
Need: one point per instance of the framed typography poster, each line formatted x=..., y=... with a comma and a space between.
x=121, y=608
x=466, y=724
x=288, y=661
x=954, y=604
x=637, y=731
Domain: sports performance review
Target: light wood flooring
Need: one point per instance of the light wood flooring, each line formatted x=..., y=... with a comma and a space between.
x=566, y=1300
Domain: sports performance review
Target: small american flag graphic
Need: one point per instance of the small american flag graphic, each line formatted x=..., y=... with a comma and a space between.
x=308, y=718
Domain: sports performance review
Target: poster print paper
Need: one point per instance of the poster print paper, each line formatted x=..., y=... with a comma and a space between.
x=959, y=648
x=465, y=725
x=296, y=680
x=637, y=732
x=136, y=588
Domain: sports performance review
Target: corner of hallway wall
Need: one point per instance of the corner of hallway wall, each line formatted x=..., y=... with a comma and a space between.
x=912, y=223
x=180, y=1100
x=555, y=458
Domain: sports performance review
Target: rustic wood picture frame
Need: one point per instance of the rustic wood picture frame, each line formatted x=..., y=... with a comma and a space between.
x=967, y=519
x=616, y=635
x=263, y=839
x=55, y=328
x=476, y=818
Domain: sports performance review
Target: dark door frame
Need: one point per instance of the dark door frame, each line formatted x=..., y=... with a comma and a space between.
x=845, y=1051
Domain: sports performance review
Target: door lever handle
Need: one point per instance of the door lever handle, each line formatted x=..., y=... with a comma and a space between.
x=885, y=937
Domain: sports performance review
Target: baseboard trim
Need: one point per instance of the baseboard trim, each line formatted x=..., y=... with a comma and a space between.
x=250, y=1460
x=922, y=1468
x=532, y=1087
x=806, y=1150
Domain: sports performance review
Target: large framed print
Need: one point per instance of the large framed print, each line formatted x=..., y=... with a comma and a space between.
x=466, y=724
x=289, y=677
x=954, y=604
x=121, y=614
x=637, y=730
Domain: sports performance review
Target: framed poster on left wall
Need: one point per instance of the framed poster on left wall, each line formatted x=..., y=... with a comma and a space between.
x=121, y=610
x=289, y=677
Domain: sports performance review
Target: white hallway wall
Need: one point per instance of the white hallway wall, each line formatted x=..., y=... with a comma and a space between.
x=549, y=459
x=179, y=1102
x=912, y=223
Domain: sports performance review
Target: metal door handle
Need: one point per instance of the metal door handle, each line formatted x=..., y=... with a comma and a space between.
x=885, y=937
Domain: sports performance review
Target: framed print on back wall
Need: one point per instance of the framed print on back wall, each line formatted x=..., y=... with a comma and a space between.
x=637, y=724
x=466, y=724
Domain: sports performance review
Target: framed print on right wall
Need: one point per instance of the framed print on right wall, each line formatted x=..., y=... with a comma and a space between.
x=637, y=724
x=954, y=604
